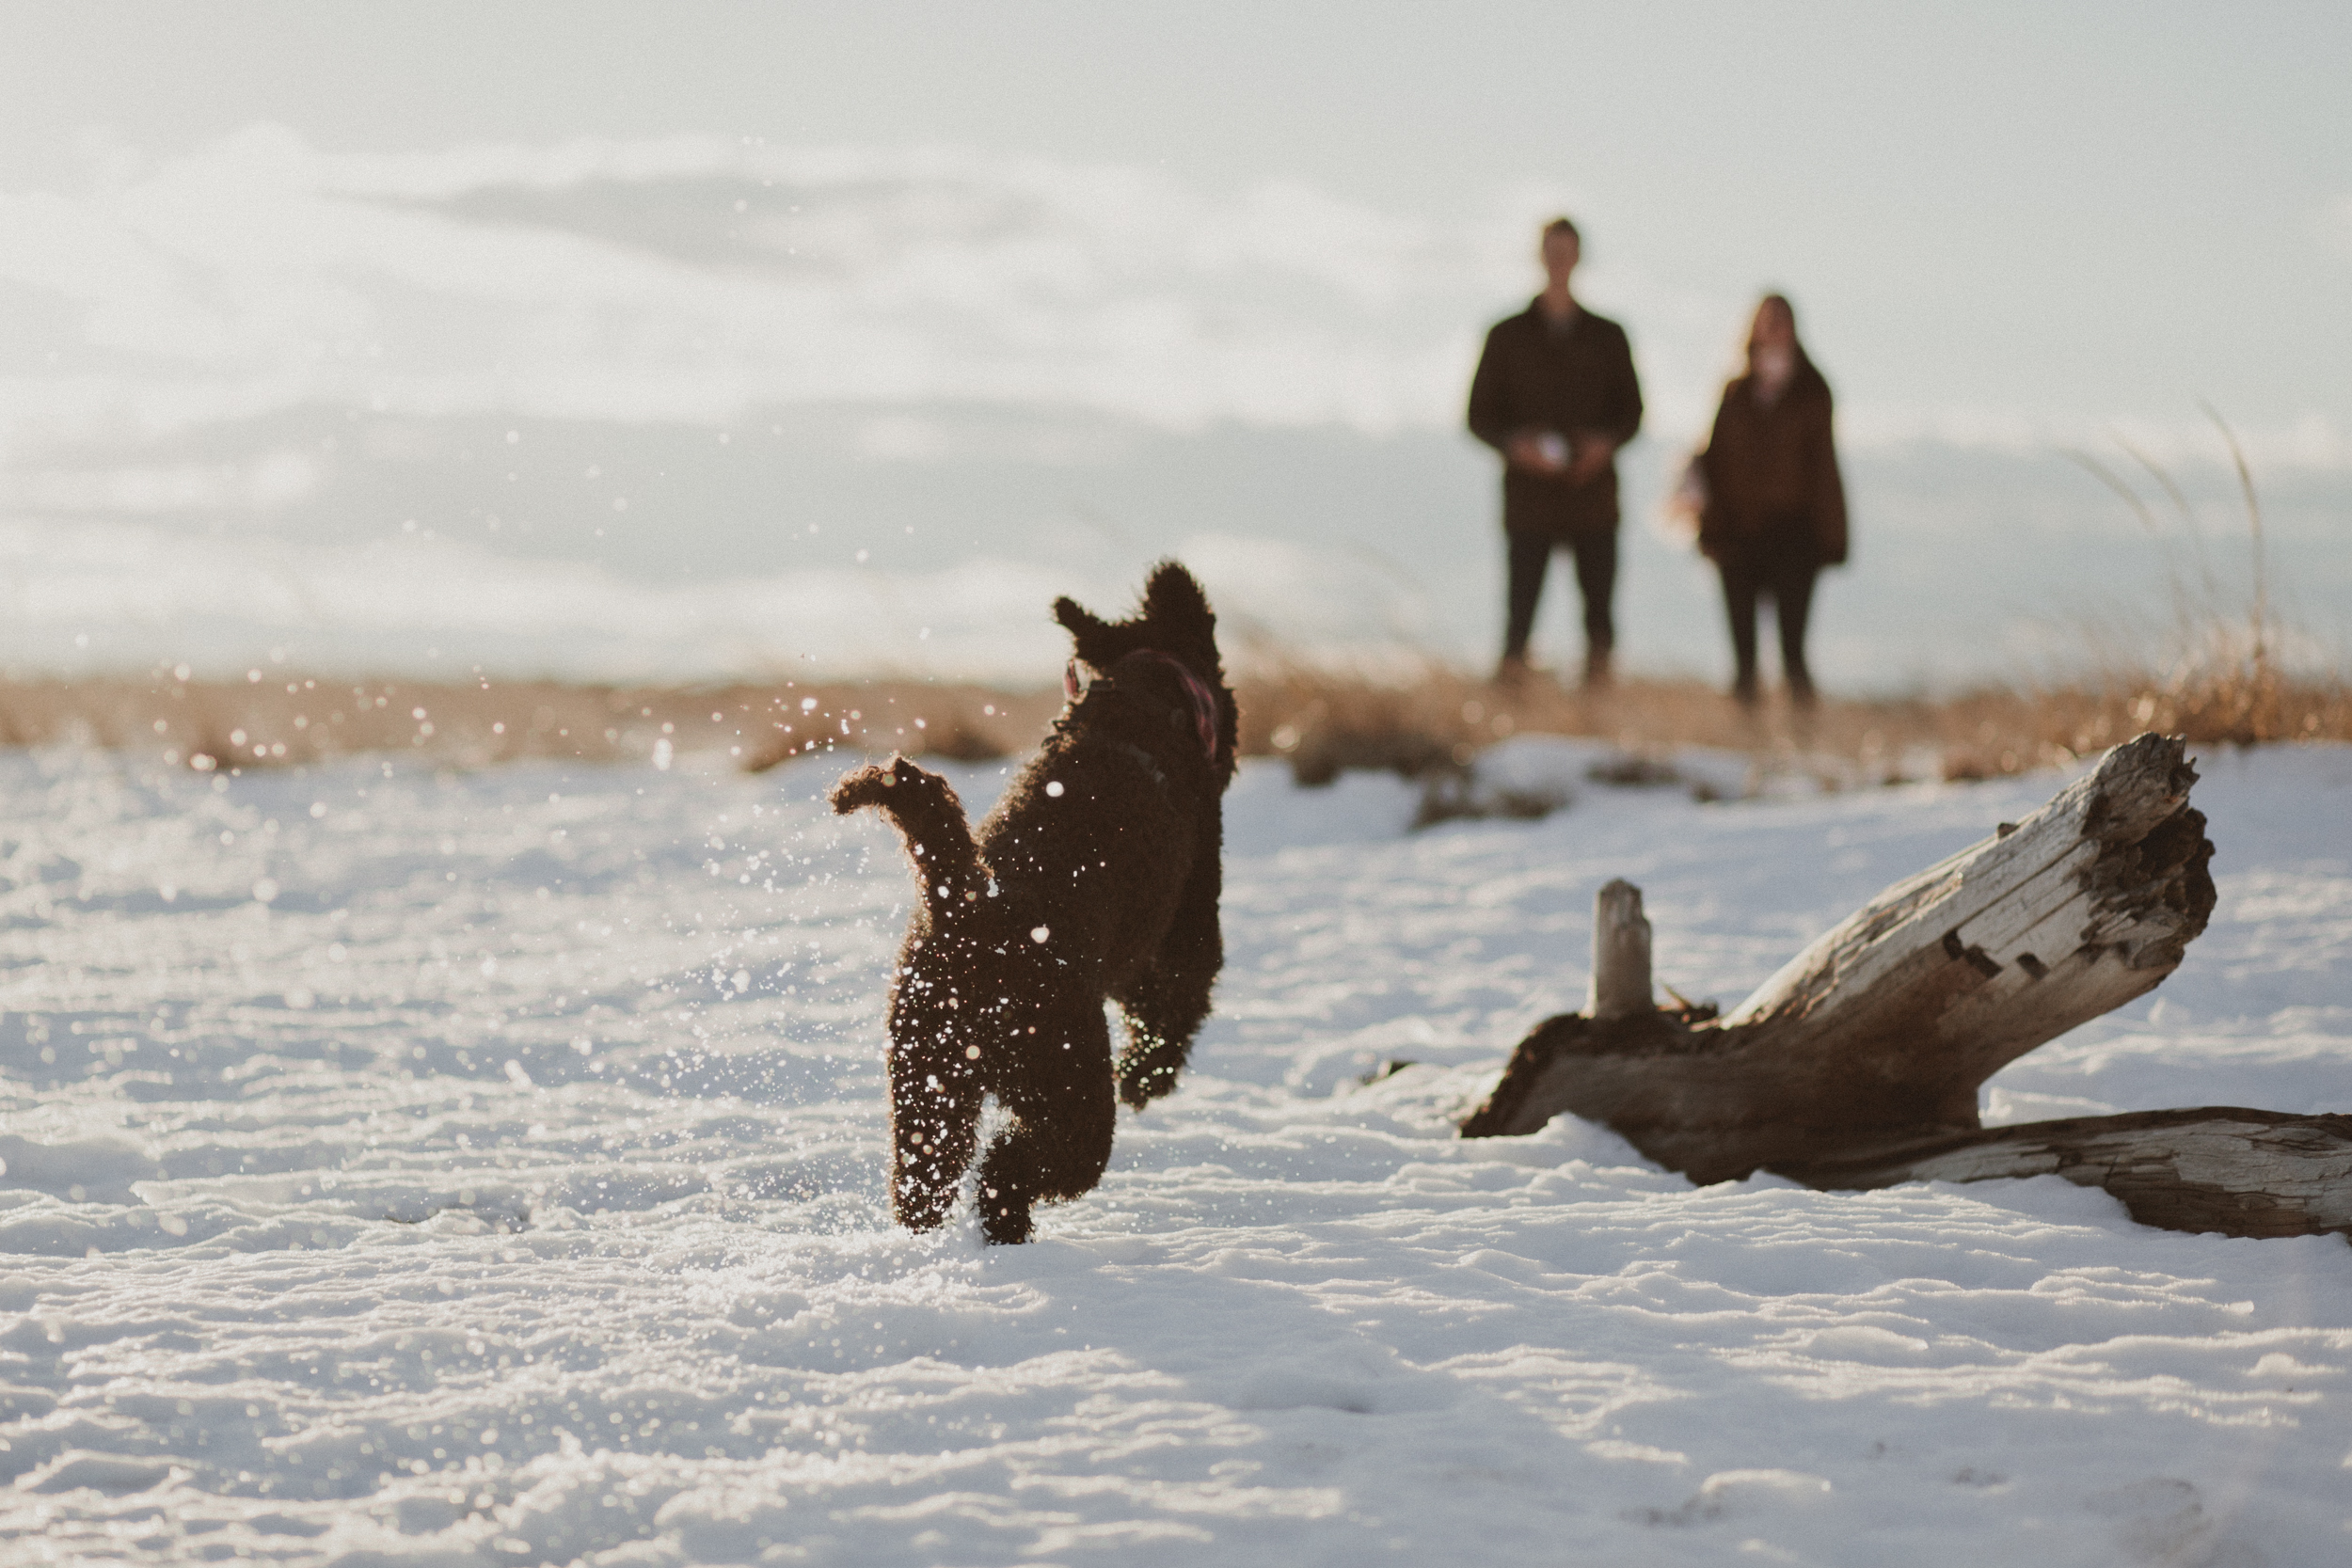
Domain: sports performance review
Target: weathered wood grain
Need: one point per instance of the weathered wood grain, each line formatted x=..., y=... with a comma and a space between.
x=1884, y=1027
x=1857, y=1065
x=2215, y=1168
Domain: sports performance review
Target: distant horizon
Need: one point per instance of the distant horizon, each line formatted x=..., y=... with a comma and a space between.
x=1974, y=567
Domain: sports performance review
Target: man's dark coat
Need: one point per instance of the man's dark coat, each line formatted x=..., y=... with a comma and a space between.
x=1576, y=379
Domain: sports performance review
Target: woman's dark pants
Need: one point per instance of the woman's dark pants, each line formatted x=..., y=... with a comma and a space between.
x=1785, y=573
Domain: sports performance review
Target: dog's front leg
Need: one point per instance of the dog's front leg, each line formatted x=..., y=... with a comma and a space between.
x=1166, y=1003
x=1058, y=1144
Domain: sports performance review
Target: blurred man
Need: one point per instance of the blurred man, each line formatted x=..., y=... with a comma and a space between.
x=1555, y=394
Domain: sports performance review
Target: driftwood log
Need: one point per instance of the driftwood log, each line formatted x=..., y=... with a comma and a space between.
x=1858, y=1063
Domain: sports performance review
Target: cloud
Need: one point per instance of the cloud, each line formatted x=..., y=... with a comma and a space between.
x=695, y=278
x=274, y=479
x=687, y=278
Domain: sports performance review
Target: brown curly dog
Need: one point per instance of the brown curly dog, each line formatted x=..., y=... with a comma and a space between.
x=1095, y=878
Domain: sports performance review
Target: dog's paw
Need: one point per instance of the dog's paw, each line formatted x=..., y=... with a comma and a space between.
x=1005, y=1220
x=1138, y=1085
x=920, y=1203
x=922, y=1217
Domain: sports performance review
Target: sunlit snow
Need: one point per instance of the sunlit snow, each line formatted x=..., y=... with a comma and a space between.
x=425, y=1168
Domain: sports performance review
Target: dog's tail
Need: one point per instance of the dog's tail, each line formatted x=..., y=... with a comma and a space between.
x=924, y=808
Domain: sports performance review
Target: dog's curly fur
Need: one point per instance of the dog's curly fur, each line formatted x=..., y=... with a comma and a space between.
x=1095, y=878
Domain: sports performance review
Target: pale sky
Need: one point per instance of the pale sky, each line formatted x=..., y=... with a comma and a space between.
x=694, y=292
x=1989, y=213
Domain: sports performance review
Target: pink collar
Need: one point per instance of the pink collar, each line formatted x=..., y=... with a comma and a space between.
x=1203, y=700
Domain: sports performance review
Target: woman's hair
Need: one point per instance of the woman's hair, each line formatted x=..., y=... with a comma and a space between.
x=1804, y=360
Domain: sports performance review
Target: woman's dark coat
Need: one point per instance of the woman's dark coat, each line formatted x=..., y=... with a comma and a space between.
x=1772, y=472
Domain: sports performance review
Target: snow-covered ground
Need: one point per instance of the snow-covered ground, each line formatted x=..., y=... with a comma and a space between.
x=455, y=1168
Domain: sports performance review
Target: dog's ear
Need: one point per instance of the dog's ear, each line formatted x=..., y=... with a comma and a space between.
x=1099, y=643
x=1095, y=640
x=1175, y=606
x=1080, y=621
x=1176, y=617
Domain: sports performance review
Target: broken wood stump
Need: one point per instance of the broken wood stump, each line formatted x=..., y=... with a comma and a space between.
x=1858, y=1063
x=1621, y=984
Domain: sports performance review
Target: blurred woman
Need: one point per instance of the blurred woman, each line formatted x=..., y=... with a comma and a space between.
x=1772, y=506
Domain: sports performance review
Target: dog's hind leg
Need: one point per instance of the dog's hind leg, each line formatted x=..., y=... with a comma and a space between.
x=1166, y=1003
x=1063, y=1114
x=934, y=1122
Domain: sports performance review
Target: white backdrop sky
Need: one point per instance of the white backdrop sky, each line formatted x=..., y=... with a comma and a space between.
x=278, y=280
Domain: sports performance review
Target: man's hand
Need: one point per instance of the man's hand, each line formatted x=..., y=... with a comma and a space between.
x=1593, y=452
x=1529, y=450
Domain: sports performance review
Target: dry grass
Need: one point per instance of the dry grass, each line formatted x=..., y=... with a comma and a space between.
x=283, y=720
x=1429, y=726
x=1324, y=724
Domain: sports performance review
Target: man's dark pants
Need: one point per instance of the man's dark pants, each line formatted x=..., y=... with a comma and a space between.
x=1595, y=551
